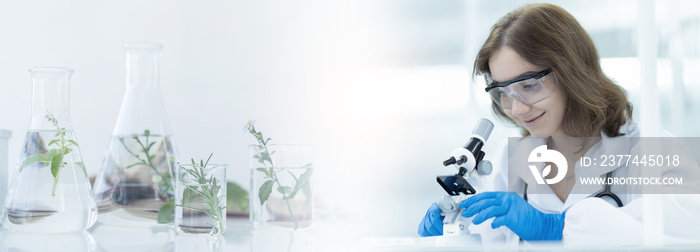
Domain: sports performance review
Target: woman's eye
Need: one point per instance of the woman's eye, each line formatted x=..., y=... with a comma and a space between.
x=530, y=85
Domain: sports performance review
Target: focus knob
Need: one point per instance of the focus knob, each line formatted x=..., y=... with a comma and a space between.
x=484, y=168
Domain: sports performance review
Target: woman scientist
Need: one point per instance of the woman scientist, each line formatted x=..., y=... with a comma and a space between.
x=544, y=75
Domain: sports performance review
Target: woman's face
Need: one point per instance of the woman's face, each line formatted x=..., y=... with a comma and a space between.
x=541, y=119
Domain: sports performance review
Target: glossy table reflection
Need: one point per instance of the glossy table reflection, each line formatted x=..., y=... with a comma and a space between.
x=239, y=236
x=334, y=234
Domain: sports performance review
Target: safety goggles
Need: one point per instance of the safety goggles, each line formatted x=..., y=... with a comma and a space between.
x=528, y=90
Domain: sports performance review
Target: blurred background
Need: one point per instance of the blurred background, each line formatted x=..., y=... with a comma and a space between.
x=383, y=89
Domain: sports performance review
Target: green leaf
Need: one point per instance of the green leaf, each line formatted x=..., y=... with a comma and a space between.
x=132, y=165
x=82, y=166
x=294, y=177
x=52, y=142
x=263, y=170
x=264, y=156
x=165, y=213
x=74, y=143
x=193, y=208
x=215, y=190
x=50, y=154
x=306, y=189
x=265, y=190
x=31, y=160
x=303, y=180
x=193, y=190
x=284, y=189
x=56, y=163
x=192, y=173
x=214, y=187
x=236, y=196
x=271, y=172
x=206, y=163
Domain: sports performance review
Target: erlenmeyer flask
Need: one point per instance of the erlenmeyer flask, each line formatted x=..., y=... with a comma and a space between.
x=50, y=191
x=135, y=184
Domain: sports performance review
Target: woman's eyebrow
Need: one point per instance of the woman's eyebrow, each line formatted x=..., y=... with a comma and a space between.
x=519, y=76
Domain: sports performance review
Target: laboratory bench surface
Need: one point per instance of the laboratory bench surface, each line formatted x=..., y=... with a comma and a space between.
x=323, y=235
x=239, y=236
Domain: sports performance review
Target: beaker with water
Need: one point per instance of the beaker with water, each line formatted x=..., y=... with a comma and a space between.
x=50, y=191
x=280, y=186
x=136, y=182
x=200, y=199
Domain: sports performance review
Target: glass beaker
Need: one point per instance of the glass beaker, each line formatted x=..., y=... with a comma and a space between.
x=135, y=185
x=200, y=199
x=280, y=186
x=50, y=191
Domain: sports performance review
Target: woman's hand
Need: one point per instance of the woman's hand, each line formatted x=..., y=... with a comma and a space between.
x=512, y=211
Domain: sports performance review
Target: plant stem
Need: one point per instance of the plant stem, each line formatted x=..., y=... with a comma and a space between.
x=55, y=182
x=62, y=133
x=284, y=196
x=274, y=174
x=219, y=218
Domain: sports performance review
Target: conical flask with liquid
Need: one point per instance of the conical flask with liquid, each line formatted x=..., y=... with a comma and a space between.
x=136, y=181
x=50, y=190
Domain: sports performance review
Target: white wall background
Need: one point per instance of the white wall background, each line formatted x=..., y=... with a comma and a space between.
x=382, y=88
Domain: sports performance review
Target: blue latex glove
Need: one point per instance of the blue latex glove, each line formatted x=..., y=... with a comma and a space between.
x=432, y=222
x=514, y=212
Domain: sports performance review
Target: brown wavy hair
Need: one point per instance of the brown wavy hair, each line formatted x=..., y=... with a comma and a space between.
x=546, y=35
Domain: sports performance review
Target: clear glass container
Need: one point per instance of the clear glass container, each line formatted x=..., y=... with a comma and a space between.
x=281, y=192
x=200, y=199
x=135, y=185
x=50, y=191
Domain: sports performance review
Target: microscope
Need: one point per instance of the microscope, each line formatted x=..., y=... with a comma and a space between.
x=467, y=160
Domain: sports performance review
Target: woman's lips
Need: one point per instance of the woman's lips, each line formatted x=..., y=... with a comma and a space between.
x=533, y=121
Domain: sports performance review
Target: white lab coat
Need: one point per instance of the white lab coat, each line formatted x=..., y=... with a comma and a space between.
x=590, y=220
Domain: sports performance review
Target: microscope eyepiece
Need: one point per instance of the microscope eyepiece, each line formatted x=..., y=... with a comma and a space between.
x=449, y=162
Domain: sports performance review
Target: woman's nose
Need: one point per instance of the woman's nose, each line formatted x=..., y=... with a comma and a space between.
x=518, y=108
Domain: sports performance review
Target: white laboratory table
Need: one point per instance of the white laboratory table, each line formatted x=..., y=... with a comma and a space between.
x=323, y=235
x=239, y=236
